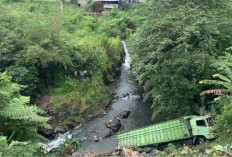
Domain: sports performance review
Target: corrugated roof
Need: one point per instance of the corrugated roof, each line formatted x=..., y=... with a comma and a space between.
x=105, y=0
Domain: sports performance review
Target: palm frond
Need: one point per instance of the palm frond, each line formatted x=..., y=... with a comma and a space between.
x=223, y=66
x=224, y=78
x=214, y=91
x=227, y=85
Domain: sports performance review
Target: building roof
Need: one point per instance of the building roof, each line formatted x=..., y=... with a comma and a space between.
x=109, y=6
x=105, y=0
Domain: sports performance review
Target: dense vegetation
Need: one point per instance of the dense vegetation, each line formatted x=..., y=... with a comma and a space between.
x=174, y=49
x=40, y=48
x=177, y=47
x=180, y=47
x=18, y=120
x=40, y=44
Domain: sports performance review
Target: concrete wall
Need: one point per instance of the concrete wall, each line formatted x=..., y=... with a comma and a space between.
x=82, y=3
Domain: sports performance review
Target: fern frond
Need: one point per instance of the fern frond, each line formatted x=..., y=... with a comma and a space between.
x=22, y=113
x=18, y=110
x=4, y=98
x=22, y=100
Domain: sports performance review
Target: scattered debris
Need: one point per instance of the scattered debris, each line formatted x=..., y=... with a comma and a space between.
x=95, y=138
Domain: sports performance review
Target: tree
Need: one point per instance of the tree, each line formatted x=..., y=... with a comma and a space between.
x=224, y=94
x=17, y=118
x=174, y=87
x=173, y=48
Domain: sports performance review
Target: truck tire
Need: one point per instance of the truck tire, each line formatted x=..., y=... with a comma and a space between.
x=198, y=140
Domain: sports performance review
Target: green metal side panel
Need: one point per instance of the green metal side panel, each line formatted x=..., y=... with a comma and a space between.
x=155, y=134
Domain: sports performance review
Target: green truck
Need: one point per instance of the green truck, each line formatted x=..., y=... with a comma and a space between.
x=194, y=128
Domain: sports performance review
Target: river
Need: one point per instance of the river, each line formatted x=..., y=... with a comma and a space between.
x=139, y=117
x=129, y=93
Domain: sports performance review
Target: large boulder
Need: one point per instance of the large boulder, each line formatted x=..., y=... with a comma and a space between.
x=106, y=133
x=114, y=124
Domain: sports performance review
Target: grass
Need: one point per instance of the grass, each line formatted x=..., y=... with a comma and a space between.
x=74, y=96
x=77, y=92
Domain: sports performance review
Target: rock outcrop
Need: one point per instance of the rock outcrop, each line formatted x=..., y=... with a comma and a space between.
x=67, y=116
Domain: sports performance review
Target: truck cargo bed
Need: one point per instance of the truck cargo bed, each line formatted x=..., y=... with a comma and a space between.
x=155, y=134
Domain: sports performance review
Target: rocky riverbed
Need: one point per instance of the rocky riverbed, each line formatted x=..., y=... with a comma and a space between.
x=127, y=112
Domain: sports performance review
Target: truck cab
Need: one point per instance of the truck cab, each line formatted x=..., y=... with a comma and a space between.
x=201, y=128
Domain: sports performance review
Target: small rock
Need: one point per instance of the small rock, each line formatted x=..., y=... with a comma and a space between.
x=59, y=129
x=83, y=139
x=124, y=114
x=78, y=126
x=96, y=139
x=114, y=100
x=125, y=95
x=99, y=138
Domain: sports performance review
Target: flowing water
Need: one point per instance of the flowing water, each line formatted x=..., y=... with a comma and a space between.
x=129, y=94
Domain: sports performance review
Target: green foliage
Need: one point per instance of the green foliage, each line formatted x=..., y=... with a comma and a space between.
x=16, y=148
x=173, y=50
x=69, y=146
x=224, y=99
x=39, y=44
x=177, y=79
x=225, y=81
x=15, y=114
x=224, y=123
x=86, y=92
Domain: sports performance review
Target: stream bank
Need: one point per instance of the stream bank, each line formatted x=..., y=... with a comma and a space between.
x=130, y=99
x=127, y=112
x=79, y=100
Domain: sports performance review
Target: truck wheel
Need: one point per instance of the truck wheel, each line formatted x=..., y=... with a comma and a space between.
x=199, y=140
